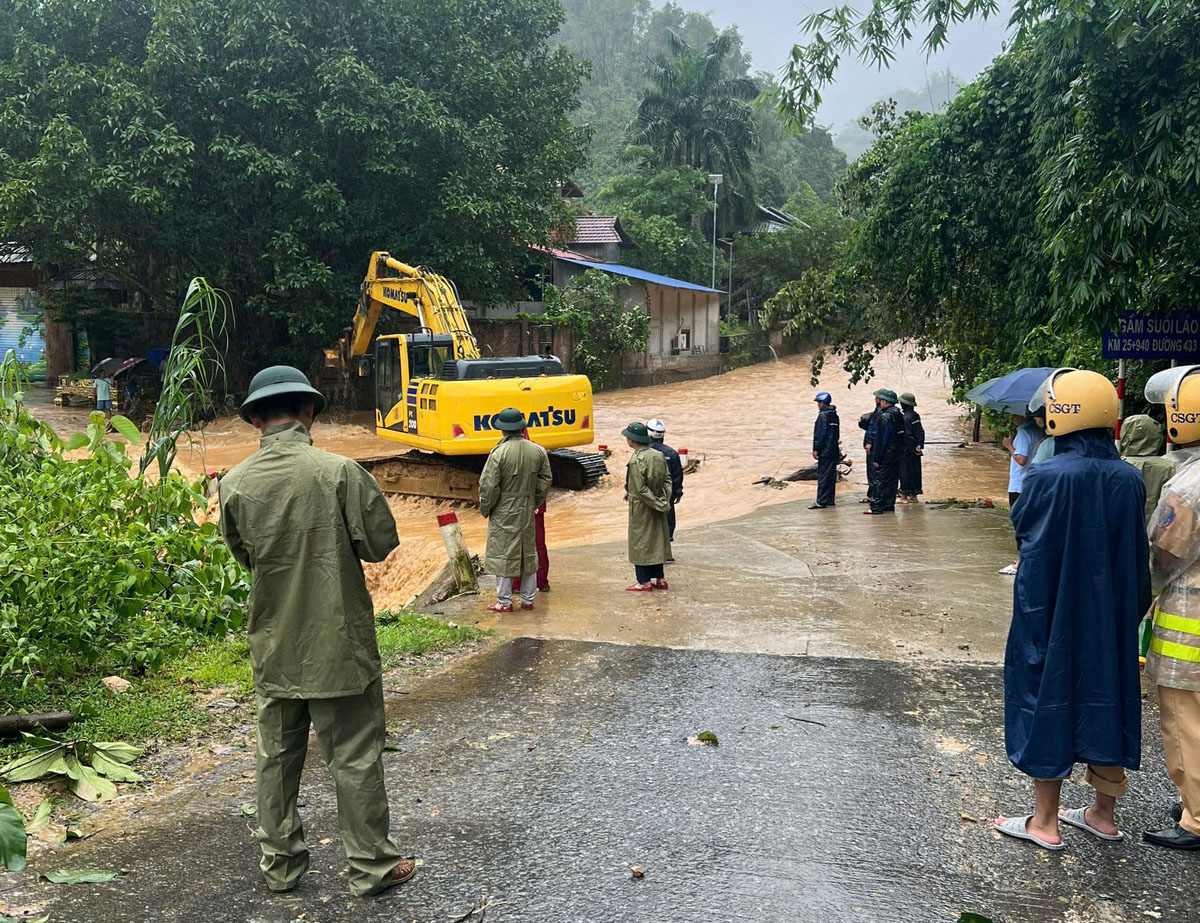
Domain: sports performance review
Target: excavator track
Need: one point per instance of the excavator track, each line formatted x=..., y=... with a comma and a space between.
x=445, y=477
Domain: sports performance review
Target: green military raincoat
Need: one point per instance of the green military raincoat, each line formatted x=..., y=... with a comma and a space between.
x=1141, y=445
x=649, y=487
x=301, y=520
x=514, y=483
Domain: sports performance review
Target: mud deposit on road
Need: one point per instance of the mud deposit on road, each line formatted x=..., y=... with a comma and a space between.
x=742, y=426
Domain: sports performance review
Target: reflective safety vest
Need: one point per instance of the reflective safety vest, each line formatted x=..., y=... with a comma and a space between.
x=1185, y=633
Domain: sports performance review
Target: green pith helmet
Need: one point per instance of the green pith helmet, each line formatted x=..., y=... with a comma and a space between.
x=908, y=399
x=280, y=379
x=886, y=394
x=510, y=420
x=637, y=432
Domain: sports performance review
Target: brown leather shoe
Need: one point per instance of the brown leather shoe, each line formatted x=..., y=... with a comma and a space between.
x=403, y=872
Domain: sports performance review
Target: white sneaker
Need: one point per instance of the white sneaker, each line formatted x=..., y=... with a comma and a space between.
x=1009, y=571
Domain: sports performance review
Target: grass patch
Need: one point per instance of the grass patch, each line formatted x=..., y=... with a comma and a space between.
x=164, y=706
x=404, y=634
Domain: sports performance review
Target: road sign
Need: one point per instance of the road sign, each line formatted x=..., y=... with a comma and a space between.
x=1154, y=336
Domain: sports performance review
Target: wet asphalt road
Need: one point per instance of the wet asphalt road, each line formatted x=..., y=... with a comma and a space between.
x=538, y=772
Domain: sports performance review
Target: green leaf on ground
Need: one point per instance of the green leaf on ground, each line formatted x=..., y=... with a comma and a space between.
x=79, y=876
x=45, y=758
x=973, y=918
x=41, y=816
x=110, y=768
x=118, y=751
x=12, y=835
x=249, y=809
x=85, y=782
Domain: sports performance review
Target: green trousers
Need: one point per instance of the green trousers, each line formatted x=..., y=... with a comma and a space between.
x=350, y=731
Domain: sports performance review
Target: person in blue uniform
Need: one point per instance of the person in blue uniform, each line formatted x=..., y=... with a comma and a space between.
x=658, y=434
x=887, y=449
x=1071, y=685
x=827, y=437
x=914, y=448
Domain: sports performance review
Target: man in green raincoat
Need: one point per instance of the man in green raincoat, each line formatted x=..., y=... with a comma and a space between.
x=514, y=483
x=302, y=520
x=648, y=492
x=1141, y=444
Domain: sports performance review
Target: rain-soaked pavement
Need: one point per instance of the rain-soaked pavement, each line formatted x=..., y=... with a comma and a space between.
x=788, y=580
x=538, y=773
x=848, y=667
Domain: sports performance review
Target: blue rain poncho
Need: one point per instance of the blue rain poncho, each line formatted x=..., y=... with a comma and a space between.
x=1071, y=685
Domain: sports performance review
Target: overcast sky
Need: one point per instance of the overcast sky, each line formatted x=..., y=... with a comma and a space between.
x=771, y=27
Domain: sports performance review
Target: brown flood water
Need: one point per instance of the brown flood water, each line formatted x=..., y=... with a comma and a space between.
x=742, y=426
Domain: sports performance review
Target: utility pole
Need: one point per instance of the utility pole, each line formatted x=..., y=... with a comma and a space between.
x=729, y=286
x=716, y=179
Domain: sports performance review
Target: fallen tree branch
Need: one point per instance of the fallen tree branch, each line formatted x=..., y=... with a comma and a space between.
x=805, y=720
x=52, y=721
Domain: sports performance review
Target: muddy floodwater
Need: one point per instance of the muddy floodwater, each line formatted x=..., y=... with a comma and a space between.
x=748, y=424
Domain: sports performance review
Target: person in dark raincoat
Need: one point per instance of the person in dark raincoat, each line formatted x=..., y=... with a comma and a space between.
x=1072, y=692
x=302, y=521
x=658, y=436
x=887, y=449
x=867, y=424
x=914, y=448
x=514, y=483
x=648, y=492
x=827, y=437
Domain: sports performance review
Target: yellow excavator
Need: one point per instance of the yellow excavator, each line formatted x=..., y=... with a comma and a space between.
x=435, y=393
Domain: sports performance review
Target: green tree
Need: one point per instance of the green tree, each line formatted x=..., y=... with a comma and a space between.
x=659, y=208
x=695, y=113
x=271, y=145
x=1060, y=188
x=787, y=157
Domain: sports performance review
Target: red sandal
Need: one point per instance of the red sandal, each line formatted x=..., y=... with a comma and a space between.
x=496, y=607
x=659, y=584
x=640, y=588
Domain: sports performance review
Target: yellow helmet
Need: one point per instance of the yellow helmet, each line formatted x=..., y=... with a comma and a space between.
x=1076, y=399
x=1179, y=390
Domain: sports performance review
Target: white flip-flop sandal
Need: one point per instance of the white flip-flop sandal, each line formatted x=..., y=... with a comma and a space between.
x=1077, y=817
x=1016, y=827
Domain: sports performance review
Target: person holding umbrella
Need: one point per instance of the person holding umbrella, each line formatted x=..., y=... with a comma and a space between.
x=1015, y=394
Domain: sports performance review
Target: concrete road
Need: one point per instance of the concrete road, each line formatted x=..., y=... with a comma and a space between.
x=535, y=774
x=538, y=773
x=921, y=583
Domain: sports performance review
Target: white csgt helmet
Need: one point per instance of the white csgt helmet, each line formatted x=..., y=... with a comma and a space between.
x=656, y=428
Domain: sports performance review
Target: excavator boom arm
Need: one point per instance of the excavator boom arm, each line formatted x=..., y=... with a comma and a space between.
x=430, y=298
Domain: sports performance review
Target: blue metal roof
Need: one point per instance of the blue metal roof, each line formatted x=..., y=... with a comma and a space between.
x=641, y=275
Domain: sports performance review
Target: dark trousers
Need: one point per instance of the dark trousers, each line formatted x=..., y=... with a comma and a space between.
x=827, y=475
x=887, y=481
x=539, y=542
x=647, y=572
x=871, y=476
x=671, y=521
x=910, y=475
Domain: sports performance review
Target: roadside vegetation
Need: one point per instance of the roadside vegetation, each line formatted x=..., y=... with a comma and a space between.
x=1055, y=191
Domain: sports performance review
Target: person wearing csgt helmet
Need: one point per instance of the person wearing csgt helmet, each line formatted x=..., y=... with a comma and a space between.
x=1072, y=693
x=827, y=439
x=658, y=433
x=1173, y=661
